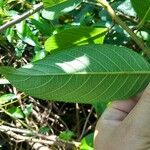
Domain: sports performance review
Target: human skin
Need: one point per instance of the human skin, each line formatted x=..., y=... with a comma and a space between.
x=125, y=125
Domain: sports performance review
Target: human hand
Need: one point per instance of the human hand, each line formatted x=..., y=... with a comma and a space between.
x=125, y=125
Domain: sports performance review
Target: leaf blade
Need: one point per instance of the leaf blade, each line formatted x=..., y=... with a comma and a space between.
x=75, y=36
x=51, y=3
x=143, y=10
x=84, y=74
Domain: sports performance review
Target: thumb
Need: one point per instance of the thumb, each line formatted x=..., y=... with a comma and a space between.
x=140, y=114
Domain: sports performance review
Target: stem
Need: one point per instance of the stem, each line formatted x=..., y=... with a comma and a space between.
x=85, y=125
x=112, y=13
x=27, y=132
x=140, y=25
x=35, y=137
x=20, y=18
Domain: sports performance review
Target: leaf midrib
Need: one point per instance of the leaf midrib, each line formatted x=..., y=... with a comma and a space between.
x=88, y=73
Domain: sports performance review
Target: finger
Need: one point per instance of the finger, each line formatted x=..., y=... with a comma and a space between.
x=111, y=119
x=118, y=110
x=140, y=115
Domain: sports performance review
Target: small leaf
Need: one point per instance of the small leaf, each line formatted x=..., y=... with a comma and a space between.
x=75, y=36
x=39, y=55
x=24, y=32
x=10, y=34
x=28, y=110
x=16, y=112
x=59, y=9
x=43, y=26
x=6, y=98
x=44, y=129
x=100, y=107
x=87, y=142
x=66, y=135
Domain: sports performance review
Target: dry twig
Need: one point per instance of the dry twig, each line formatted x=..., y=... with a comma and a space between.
x=21, y=135
x=20, y=18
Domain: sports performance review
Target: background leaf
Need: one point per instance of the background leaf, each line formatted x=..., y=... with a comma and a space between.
x=16, y=112
x=28, y=110
x=50, y=3
x=43, y=26
x=66, y=135
x=26, y=35
x=75, y=36
x=6, y=98
x=84, y=74
x=56, y=10
x=141, y=8
x=87, y=142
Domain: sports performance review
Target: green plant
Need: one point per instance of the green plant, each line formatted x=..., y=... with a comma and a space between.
x=83, y=73
x=82, y=52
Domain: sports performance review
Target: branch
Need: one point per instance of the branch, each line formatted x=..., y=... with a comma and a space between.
x=4, y=128
x=20, y=18
x=112, y=13
x=35, y=137
x=86, y=122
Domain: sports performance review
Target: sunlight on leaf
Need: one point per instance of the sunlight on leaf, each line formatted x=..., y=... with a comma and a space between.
x=16, y=112
x=6, y=98
x=111, y=73
x=77, y=65
x=50, y=3
x=60, y=9
x=75, y=36
x=87, y=142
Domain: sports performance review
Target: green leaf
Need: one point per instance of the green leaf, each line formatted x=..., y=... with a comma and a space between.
x=28, y=110
x=44, y=129
x=9, y=34
x=142, y=8
x=39, y=55
x=75, y=36
x=6, y=98
x=84, y=74
x=1, y=3
x=20, y=48
x=26, y=35
x=60, y=9
x=50, y=3
x=43, y=26
x=66, y=135
x=100, y=107
x=16, y=112
x=87, y=142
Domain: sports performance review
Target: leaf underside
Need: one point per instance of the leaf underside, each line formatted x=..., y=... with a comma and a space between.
x=84, y=74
